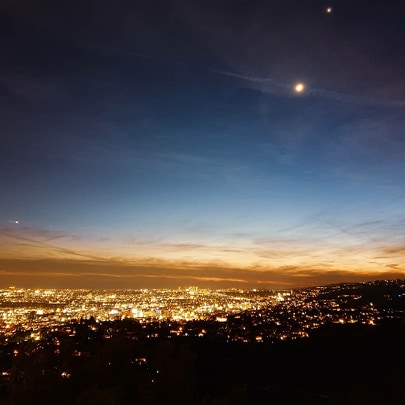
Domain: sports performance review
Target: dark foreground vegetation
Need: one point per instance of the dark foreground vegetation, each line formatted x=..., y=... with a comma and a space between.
x=337, y=364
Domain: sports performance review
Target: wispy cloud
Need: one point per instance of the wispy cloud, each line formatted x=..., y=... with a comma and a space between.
x=162, y=274
x=398, y=251
x=266, y=252
x=32, y=90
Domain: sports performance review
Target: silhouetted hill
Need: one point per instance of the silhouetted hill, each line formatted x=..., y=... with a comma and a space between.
x=338, y=364
x=126, y=361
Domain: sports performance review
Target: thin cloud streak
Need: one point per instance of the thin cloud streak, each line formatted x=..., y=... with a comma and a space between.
x=290, y=256
x=274, y=86
x=82, y=274
x=288, y=90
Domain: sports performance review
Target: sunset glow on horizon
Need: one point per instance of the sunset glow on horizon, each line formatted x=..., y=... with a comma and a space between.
x=173, y=146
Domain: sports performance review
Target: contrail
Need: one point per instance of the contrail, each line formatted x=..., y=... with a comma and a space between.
x=328, y=94
x=351, y=99
x=276, y=86
x=243, y=77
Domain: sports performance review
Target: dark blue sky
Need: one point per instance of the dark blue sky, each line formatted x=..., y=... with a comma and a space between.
x=156, y=143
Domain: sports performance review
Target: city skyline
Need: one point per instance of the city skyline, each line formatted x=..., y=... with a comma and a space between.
x=165, y=144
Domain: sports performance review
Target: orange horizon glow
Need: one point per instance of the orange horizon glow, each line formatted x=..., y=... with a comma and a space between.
x=265, y=263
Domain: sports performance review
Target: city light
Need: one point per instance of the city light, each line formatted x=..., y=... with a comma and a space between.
x=293, y=313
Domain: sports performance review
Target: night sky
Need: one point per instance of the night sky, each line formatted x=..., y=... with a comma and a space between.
x=162, y=144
